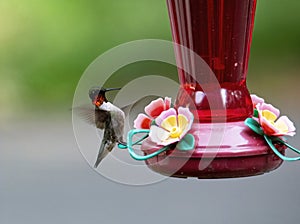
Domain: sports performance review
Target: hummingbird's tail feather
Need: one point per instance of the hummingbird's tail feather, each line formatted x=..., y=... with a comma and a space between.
x=100, y=154
x=105, y=148
x=100, y=158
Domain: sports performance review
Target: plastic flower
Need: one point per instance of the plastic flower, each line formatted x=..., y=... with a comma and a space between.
x=271, y=123
x=153, y=110
x=256, y=100
x=171, y=126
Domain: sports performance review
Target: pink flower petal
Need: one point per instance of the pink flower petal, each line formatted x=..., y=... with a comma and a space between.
x=292, y=133
x=256, y=99
x=167, y=103
x=142, y=122
x=164, y=115
x=155, y=108
x=289, y=124
x=266, y=106
x=187, y=113
x=279, y=134
x=280, y=127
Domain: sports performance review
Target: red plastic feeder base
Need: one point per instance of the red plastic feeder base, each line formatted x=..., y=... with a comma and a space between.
x=222, y=151
x=218, y=168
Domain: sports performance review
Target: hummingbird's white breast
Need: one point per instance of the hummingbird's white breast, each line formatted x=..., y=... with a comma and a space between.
x=117, y=118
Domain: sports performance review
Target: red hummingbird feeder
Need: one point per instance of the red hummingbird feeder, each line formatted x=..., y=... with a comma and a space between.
x=215, y=128
x=220, y=32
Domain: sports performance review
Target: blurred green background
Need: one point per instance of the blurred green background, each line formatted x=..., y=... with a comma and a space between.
x=45, y=46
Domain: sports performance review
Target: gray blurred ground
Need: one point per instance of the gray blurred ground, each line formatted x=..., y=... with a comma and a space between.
x=44, y=179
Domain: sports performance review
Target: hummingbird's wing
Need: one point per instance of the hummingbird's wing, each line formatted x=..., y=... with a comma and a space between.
x=102, y=117
x=93, y=116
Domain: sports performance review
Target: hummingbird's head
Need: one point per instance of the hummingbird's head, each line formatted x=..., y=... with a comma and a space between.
x=97, y=95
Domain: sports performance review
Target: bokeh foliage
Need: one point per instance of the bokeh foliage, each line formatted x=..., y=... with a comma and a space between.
x=45, y=46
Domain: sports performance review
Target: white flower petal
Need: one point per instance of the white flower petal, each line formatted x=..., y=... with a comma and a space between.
x=158, y=135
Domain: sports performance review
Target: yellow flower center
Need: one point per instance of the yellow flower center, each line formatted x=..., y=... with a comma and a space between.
x=175, y=125
x=175, y=132
x=271, y=117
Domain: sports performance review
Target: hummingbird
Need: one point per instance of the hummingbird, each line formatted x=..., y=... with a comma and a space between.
x=109, y=118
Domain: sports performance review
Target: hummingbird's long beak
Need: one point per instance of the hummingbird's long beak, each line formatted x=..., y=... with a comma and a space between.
x=111, y=89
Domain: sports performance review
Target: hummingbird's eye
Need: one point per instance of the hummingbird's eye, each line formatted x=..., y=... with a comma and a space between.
x=93, y=93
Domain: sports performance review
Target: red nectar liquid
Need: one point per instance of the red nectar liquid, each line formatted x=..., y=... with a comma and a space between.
x=220, y=31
